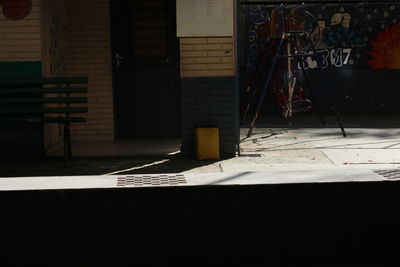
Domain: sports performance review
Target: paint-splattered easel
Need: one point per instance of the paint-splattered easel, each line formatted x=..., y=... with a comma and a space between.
x=291, y=38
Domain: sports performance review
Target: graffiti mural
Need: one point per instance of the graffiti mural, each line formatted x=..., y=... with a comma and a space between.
x=385, y=49
x=348, y=35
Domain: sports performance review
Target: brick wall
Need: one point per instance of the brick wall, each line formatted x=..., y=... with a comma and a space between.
x=89, y=54
x=208, y=90
x=207, y=57
x=20, y=40
x=54, y=37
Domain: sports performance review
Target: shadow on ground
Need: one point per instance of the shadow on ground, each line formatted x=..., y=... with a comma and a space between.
x=99, y=166
x=307, y=121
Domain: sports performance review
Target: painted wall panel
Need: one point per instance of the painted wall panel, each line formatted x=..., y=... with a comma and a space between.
x=359, y=42
x=352, y=35
x=197, y=18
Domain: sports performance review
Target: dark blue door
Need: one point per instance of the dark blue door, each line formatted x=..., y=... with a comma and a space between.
x=146, y=68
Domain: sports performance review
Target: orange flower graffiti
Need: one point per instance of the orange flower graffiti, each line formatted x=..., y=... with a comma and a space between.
x=385, y=50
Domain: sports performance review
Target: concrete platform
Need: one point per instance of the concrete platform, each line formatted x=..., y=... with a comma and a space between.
x=198, y=179
x=319, y=148
x=372, y=143
x=270, y=149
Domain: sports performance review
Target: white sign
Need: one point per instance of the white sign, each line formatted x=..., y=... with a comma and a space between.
x=204, y=18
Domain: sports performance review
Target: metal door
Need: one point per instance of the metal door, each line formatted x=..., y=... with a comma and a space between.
x=146, y=68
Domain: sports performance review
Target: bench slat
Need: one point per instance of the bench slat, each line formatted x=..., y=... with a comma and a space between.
x=43, y=120
x=56, y=80
x=53, y=90
x=34, y=100
x=43, y=110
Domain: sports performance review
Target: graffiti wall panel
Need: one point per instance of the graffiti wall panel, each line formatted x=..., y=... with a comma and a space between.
x=360, y=44
x=361, y=35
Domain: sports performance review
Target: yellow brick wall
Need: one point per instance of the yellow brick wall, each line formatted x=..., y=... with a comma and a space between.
x=89, y=54
x=20, y=40
x=54, y=44
x=207, y=57
x=54, y=37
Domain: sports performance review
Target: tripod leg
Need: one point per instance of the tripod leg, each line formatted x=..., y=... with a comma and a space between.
x=301, y=61
x=266, y=86
x=254, y=82
x=331, y=96
x=247, y=108
x=312, y=93
x=291, y=76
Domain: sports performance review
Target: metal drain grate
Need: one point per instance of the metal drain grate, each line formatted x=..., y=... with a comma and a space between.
x=389, y=174
x=149, y=180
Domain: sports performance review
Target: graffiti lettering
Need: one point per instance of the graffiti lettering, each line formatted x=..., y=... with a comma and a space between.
x=347, y=52
x=334, y=57
x=324, y=58
x=337, y=57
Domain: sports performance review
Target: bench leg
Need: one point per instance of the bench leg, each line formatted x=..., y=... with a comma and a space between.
x=67, y=144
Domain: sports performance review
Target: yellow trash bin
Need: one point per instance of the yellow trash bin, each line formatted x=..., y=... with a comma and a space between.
x=207, y=143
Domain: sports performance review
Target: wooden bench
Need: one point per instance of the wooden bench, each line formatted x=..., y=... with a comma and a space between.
x=44, y=100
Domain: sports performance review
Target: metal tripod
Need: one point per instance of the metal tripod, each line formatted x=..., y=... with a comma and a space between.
x=292, y=37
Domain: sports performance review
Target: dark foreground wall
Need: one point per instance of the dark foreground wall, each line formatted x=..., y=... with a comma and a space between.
x=354, y=224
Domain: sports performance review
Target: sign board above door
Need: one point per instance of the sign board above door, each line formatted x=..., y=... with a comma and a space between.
x=196, y=18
